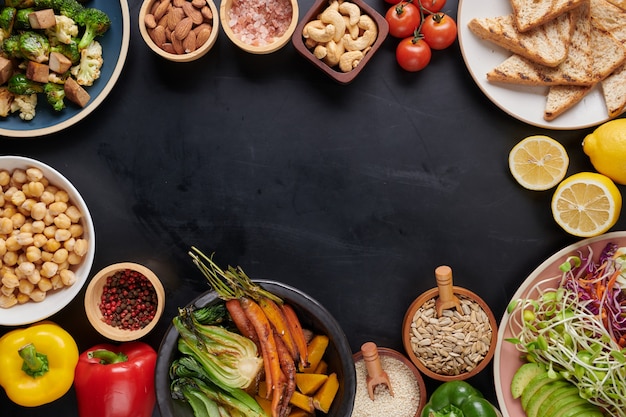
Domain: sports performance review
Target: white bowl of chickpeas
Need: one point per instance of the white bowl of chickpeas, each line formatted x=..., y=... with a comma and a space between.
x=47, y=241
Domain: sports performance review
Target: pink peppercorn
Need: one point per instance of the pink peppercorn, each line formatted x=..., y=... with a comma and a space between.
x=128, y=300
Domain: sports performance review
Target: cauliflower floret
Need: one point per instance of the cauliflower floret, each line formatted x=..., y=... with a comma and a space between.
x=6, y=99
x=64, y=30
x=88, y=69
x=25, y=104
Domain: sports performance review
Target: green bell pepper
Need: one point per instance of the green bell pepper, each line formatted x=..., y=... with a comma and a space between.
x=457, y=399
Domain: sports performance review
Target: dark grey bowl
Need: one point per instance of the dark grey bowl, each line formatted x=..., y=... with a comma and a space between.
x=312, y=315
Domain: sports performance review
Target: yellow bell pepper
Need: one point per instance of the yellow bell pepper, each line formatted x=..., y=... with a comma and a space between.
x=37, y=364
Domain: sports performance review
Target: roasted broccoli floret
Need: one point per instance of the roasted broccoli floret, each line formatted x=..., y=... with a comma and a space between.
x=18, y=84
x=21, y=19
x=69, y=8
x=34, y=46
x=96, y=23
x=64, y=31
x=55, y=95
x=11, y=47
x=88, y=69
x=70, y=50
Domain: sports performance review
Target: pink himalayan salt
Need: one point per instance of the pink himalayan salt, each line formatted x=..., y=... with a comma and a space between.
x=258, y=22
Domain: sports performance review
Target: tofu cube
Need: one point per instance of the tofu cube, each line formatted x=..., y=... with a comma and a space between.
x=37, y=72
x=75, y=93
x=59, y=63
x=42, y=19
x=6, y=69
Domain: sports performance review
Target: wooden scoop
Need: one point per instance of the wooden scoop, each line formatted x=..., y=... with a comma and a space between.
x=375, y=373
x=446, y=298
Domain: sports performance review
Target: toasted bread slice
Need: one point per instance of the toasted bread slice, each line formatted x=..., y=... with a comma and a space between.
x=532, y=13
x=547, y=44
x=577, y=69
x=609, y=17
x=608, y=55
x=614, y=92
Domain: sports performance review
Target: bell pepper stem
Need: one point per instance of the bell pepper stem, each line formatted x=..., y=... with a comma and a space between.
x=107, y=357
x=35, y=363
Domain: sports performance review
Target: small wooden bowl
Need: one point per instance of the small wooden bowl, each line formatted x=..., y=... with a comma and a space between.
x=146, y=8
x=406, y=334
x=423, y=396
x=334, y=72
x=94, y=293
x=277, y=44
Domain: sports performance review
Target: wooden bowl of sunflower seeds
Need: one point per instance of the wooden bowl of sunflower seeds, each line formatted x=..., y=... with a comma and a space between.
x=455, y=345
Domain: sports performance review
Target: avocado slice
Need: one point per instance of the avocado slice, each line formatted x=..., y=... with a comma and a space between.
x=534, y=384
x=523, y=375
x=543, y=396
x=560, y=399
x=567, y=407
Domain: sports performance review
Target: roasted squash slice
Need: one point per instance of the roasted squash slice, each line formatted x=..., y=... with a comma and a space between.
x=324, y=397
x=309, y=383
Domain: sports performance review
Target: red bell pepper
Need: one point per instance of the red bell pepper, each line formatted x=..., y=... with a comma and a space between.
x=116, y=381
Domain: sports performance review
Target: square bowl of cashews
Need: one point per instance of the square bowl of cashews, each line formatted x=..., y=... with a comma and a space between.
x=340, y=37
x=47, y=241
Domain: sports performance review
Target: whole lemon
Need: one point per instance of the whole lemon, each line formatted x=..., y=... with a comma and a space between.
x=606, y=148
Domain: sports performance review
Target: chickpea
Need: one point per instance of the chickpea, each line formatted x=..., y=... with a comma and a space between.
x=12, y=244
x=74, y=214
x=10, y=280
x=69, y=244
x=56, y=282
x=35, y=277
x=10, y=258
x=74, y=259
x=76, y=230
x=49, y=269
x=33, y=189
x=8, y=193
x=45, y=284
x=24, y=239
x=57, y=208
x=80, y=247
x=62, y=221
x=39, y=240
x=34, y=174
x=27, y=228
x=68, y=277
x=46, y=256
x=38, y=211
x=49, y=231
x=52, y=245
x=26, y=269
x=33, y=254
x=18, y=220
x=22, y=298
x=61, y=235
x=5, y=177
x=61, y=195
x=18, y=198
x=47, y=197
x=26, y=287
x=6, y=226
x=3, y=247
x=60, y=256
x=27, y=206
x=37, y=295
x=18, y=176
x=38, y=226
x=6, y=291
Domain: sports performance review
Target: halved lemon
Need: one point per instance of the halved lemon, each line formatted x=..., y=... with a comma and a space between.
x=538, y=162
x=586, y=204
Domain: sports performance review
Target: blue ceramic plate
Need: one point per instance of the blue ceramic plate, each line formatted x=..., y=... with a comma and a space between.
x=114, y=50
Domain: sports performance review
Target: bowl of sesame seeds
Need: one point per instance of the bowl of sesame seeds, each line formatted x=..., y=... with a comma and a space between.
x=124, y=301
x=259, y=26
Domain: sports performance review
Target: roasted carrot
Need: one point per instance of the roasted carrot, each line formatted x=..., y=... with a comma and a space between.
x=297, y=333
x=273, y=373
x=241, y=321
x=288, y=366
x=277, y=319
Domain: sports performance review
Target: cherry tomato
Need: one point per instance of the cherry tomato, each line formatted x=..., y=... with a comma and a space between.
x=413, y=54
x=439, y=30
x=433, y=6
x=403, y=19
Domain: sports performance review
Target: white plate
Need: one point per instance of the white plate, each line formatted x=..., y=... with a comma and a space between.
x=506, y=359
x=525, y=103
x=31, y=312
x=114, y=50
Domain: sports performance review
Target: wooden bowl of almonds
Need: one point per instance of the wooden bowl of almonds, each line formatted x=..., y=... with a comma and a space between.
x=124, y=301
x=179, y=30
x=449, y=332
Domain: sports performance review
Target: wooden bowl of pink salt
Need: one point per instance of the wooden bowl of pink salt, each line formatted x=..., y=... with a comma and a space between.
x=259, y=26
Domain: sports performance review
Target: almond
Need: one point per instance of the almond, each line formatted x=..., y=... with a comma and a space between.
x=178, y=3
x=201, y=27
x=198, y=4
x=207, y=13
x=193, y=13
x=150, y=21
x=162, y=9
x=158, y=35
x=189, y=43
x=202, y=36
x=183, y=28
x=175, y=15
x=177, y=44
x=168, y=47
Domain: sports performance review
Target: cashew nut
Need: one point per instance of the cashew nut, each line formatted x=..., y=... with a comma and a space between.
x=367, y=23
x=353, y=30
x=359, y=43
x=352, y=10
x=334, y=52
x=350, y=60
x=323, y=34
x=334, y=18
x=320, y=51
